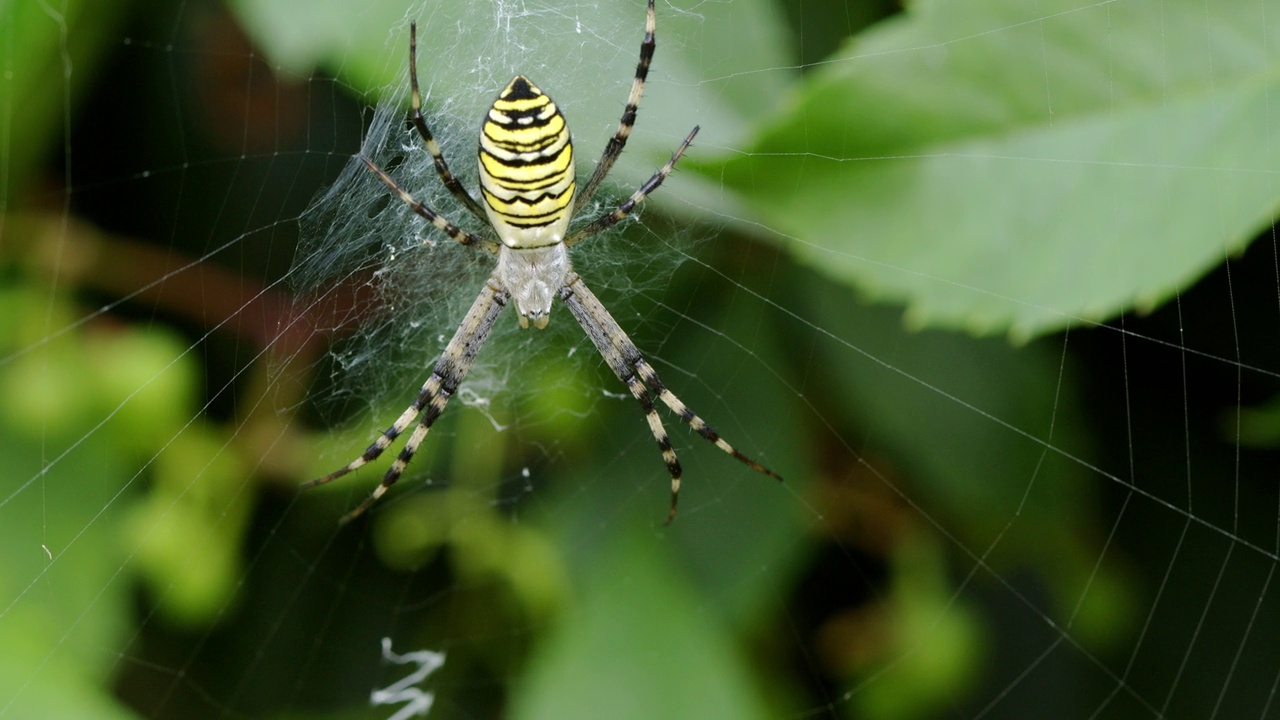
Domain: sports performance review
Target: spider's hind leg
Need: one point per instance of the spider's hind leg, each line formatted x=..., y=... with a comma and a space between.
x=448, y=373
x=624, y=358
x=641, y=394
x=384, y=440
x=700, y=426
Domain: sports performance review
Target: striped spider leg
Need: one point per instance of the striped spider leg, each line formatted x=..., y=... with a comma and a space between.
x=448, y=373
x=624, y=358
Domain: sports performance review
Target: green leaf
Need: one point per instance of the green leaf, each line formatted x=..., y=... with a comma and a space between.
x=999, y=165
x=985, y=439
x=51, y=53
x=936, y=640
x=614, y=653
x=710, y=69
x=70, y=434
x=185, y=535
x=976, y=426
x=65, y=605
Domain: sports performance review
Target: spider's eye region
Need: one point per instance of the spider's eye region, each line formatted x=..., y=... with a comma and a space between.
x=526, y=167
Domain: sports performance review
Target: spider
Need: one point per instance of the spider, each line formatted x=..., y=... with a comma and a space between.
x=527, y=185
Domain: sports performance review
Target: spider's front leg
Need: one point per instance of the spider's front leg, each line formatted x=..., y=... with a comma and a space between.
x=448, y=373
x=619, y=140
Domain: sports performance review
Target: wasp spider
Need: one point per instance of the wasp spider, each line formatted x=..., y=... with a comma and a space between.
x=529, y=194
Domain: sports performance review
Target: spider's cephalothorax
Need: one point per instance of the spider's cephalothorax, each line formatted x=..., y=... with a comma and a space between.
x=528, y=189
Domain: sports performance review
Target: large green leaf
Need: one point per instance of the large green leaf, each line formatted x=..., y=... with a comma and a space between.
x=1000, y=165
x=632, y=649
x=51, y=53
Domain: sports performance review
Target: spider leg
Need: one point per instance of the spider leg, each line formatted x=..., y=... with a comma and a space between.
x=690, y=418
x=619, y=140
x=624, y=358
x=448, y=373
x=445, y=226
x=420, y=123
x=609, y=219
x=641, y=394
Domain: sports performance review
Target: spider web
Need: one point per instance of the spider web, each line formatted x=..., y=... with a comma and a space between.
x=992, y=285
x=418, y=284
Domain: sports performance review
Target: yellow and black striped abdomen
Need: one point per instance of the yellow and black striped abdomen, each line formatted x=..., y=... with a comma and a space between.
x=526, y=167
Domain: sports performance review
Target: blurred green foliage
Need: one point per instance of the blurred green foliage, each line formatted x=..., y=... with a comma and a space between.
x=153, y=454
x=81, y=411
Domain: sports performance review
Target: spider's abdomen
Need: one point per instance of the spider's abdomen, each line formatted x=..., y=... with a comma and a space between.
x=526, y=167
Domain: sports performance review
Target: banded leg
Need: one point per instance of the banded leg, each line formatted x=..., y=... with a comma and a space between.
x=449, y=371
x=610, y=219
x=619, y=140
x=624, y=358
x=435, y=218
x=419, y=122
x=690, y=418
